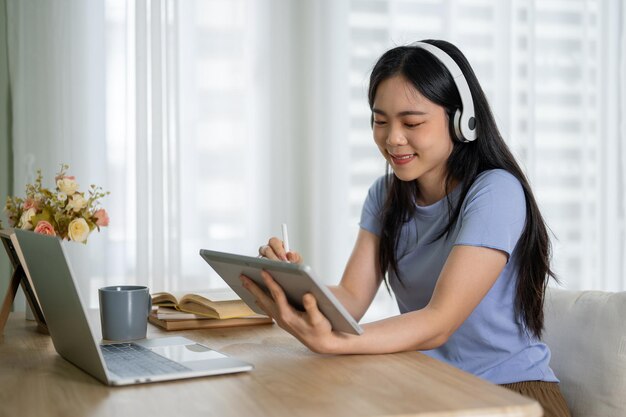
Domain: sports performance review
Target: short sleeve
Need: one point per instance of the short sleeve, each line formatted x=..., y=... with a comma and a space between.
x=493, y=212
x=371, y=213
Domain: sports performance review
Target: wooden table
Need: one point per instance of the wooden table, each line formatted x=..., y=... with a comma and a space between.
x=288, y=380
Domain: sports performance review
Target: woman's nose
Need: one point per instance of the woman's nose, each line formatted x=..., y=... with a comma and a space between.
x=396, y=137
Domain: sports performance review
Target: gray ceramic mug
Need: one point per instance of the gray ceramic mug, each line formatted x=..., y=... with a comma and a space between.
x=124, y=311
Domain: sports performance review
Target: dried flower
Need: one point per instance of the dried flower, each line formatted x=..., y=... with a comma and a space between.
x=65, y=212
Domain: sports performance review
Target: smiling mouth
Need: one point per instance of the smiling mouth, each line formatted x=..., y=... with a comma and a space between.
x=402, y=159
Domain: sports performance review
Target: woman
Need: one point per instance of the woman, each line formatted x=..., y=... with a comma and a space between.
x=454, y=228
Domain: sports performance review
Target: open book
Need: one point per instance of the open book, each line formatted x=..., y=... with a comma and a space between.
x=216, y=304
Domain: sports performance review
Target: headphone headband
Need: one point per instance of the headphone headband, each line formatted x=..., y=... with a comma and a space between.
x=465, y=120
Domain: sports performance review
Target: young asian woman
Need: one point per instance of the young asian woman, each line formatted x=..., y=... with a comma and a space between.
x=452, y=228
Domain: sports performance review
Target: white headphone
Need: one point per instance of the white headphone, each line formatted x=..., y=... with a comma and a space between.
x=464, y=122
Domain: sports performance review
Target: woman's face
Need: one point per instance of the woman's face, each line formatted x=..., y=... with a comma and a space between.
x=411, y=132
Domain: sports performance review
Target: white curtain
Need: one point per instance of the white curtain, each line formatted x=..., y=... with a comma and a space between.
x=183, y=110
x=57, y=72
x=213, y=122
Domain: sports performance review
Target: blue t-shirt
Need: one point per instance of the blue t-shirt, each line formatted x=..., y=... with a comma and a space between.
x=491, y=343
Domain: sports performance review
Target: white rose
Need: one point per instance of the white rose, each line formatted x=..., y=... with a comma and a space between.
x=67, y=185
x=78, y=230
x=62, y=196
x=25, y=219
x=77, y=203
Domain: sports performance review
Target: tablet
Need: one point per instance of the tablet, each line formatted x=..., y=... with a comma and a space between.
x=296, y=280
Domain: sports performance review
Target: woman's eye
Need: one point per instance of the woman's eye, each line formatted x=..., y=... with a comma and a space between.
x=380, y=122
x=411, y=125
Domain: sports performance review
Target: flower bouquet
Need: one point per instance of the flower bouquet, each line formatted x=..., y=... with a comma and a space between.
x=64, y=212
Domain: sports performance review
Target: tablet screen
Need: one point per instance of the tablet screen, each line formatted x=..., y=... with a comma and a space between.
x=296, y=280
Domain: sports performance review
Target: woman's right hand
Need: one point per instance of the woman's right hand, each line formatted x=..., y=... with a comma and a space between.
x=275, y=250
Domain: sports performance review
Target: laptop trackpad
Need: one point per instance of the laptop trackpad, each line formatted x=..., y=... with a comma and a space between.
x=187, y=353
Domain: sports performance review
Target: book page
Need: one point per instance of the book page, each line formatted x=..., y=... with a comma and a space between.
x=222, y=309
x=218, y=294
x=177, y=297
x=161, y=298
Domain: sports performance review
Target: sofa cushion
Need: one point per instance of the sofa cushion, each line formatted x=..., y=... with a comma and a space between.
x=586, y=332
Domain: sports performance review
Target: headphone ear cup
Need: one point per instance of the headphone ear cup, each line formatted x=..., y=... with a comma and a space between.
x=455, y=126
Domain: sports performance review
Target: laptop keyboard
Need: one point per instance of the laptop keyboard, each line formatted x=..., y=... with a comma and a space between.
x=131, y=360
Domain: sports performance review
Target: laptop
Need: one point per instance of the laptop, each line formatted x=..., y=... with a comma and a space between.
x=142, y=361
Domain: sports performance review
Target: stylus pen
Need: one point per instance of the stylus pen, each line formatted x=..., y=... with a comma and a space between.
x=285, y=237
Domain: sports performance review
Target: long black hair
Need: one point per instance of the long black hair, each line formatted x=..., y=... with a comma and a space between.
x=466, y=161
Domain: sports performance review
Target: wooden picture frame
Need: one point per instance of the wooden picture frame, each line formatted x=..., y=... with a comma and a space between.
x=20, y=277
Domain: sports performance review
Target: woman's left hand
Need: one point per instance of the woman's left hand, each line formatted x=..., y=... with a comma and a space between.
x=309, y=326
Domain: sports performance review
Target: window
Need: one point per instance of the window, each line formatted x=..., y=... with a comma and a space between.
x=541, y=65
x=181, y=150
x=221, y=119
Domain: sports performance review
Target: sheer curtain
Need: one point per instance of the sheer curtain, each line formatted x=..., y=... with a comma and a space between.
x=57, y=69
x=189, y=145
x=183, y=110
x=212, y=122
